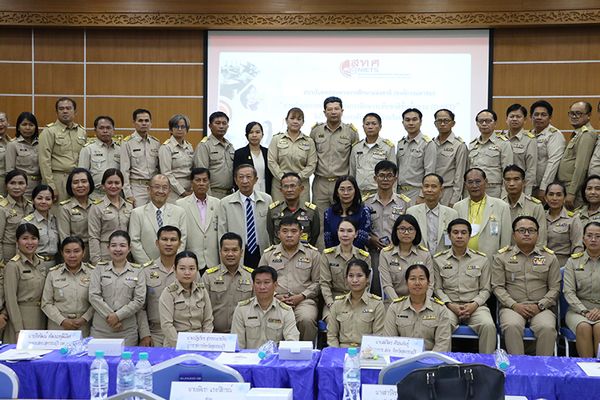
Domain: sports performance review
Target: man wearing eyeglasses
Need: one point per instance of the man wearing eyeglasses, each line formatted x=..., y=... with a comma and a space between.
x=575, y=161
x=526, y=282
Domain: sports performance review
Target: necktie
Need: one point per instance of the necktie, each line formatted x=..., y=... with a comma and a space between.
x=250, y=227
x=159, y=219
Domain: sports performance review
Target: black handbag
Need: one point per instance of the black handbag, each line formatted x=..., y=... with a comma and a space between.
x=453, y=382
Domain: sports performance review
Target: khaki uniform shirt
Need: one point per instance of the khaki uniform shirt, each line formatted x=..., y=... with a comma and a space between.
x=532, y=207
x=72, y=219
x=333, y=149
x=585, y=216
x=157, y=279
x=184, y=311
x=66, y=295
x=286, y=155
x=225, y=292
x=462, y=280
x=2, y=302
x=524, y=147
x=59, y=148
x=97, y=157
x=565, y=235
x=594, y=168
x=306, y=214
x=364, y=158
x=392, y=267
x=582, y=283
x=48, y=243
x=520, y=278
x=254, y=326
x=451, y=163
x=104, y=219
x=384, y=216
x=4, y=141
x=551, y=145
x=217, y=156
x=415, y=158
x=10, y=217
x=297, y=273
x=139, y=159
x=491, y=156
x=346, y=325
x=430, y=323
x=176, y=163
x=573, y=166
x=23, y=155
x=333, y=271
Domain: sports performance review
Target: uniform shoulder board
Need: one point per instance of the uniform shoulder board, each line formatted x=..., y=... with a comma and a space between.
x=96, y=201
x=317, y=124
x=212, y=270
x=504, y=249
x=90, y=266
x=310, y=205
x=570, y=213
x=553, y=129
x=89, y=141
x=244, y=302
x=548, y=250
x=439, y=253
x=329, y=250
x=423, y=248
x=129, y=201
x=426, y=138
x=154, y=138
x=404, y=197
x=16, y=258
x=388, y=142
x=127, y=138
x=147, y=264
x=204, y=139
x=481, y=253
x=50, y=124
x=374, y=296
x=136, y=265
x=28, y=218
x=535, y=200
x=271, y=247
x=399, y=299
x=3, y=202
x=529, y=134
x=251, y=270
x=353, y=128
x=577, y=255
x=62, y=203
x=172, y=287
x=363, y=253
x=102, y=263
x=166, y=141
x=367, y=196
x=436, y=300
x=56, y=267
x=274, y=204
x=340, y=297
x=389, y=248
x=310, y=246
x=284, y=306
x=459, y=139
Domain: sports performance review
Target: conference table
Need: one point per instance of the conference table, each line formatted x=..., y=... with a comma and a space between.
x=55, y=376
x=551, y=378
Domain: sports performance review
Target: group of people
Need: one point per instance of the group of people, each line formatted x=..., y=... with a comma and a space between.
x=141, y=240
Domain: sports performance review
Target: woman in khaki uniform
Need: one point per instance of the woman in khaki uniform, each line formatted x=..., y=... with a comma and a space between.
x=109, y=215
x=417, y=315
x=582, y=292
x=357, y=313
x=184, y=305
x=402, y=253
x=65, y=300
x=24, y=278
x=175, y=158
x=22, y=153
x=564, y=227
x=117, y=292
x=72, y=215
x=45, y=221
x=590, y=193
x=12, y=209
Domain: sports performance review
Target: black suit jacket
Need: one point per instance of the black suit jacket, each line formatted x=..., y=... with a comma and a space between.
x=243, y=156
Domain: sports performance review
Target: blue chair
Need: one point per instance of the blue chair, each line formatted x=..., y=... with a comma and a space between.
x=463, y=331
x=135, y=394
x=9, y=383
x=190, y=367
x=564, y=332
x=396, y=371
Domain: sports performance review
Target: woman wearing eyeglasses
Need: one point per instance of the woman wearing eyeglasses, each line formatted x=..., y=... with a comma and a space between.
x=564, y=227
x=175, y=157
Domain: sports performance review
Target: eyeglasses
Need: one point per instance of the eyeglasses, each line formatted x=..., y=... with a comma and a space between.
x=576, y=114
x=529, y=231
x=409, y=229
x=180, y=128
x=475, y=182
x=386, y=177
x=443, y=121
x=590, y=236
x=485, y=121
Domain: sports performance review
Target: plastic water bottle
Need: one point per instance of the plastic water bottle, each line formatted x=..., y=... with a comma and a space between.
x=76, y=347
x=143, y=373
x=99, y=377
x=501, y=360
x=125, y=373
x=266, y=349
x=352, y=375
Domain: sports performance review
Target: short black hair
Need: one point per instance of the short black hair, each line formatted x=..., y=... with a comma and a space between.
x=560, y=184
x=40, y=188
x=72, y=239
x=482, y=172
x=138, y=111
x=411, y=220
x=291, y=174
x=75, y=171
x=439, y=178
x=264, y=269
x=525, y=217
x=14, y=173
x=494, y=115
x=250, y=125
x=516, y=107
x=591, y=223
x=513, y=168
x=332, y=99
x=199, y=171
x=168, y=228
x=65, y=99
x=459, y=221
x=112, y=172
x=120, y=233
x=415, y=110
x=374, y=115
x=359, y=263
x=585, y=183
x=450, y=113
x=186, y=254
x=543, y=104
x=417, y=266
x=106, y=117
x=386, y=165
x=27, y=228
x=217, y=114
x=289, y=220
x=231, y=236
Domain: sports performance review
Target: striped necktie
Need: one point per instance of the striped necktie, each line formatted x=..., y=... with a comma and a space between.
x=159, y=219
x=250, y=226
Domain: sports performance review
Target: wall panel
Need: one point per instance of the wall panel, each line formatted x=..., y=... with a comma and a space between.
x=59, y=79
x=15, y=44
x=15, y=78
x=59, y=44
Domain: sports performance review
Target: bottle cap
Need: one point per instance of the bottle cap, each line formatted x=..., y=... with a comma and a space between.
x=143, y=356
x=503, y=365
x=352, y=351
x=126, y=355
x=262, y=354
x=99, y=354
x=64, y=351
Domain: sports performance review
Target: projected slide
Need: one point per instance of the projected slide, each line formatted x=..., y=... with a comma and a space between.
x=258, y=76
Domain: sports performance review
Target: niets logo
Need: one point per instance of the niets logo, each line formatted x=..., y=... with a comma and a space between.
x=357, y=67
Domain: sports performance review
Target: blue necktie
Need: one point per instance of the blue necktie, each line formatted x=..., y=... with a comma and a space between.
x=250, y=227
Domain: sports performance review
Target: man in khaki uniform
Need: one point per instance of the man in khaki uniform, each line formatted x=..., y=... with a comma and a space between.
x=595, y=161
x=521, y=204
x=297, y=265
x=416, y=155
x=306, y=213
x=59, y=145
x=523, y=144
x=575, y=161
x=159, y=274
x=462, y=282
x=490, y=152
x=228, y=283
x=526, y=282
x=368, y=152
x=263, y=317
x=139, y=159
x=101, y=154
x=215, y=153
x=4, y=139
x=3, y=312
x=451, y=157
x=334, y=140
x=550, y=146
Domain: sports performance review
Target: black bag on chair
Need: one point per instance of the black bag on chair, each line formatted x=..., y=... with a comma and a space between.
x=453, y=382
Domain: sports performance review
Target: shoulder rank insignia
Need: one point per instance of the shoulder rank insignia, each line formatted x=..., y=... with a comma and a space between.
x=204, y=139
x=399, y=299
x=102, y=263
x=374, y=296
x=135, y=265
x=251, y=270
x=284, y=306
x=530, y=135
x=62, y=203
x=577, y=255
x=389, y=248
x=340, y=297
x=426, y=138
x=439, y=253
x=504, y=249
x=436, y=300
x=28, y=218
x=501, y=136
x=329, y=250
x=481, y=253
x=56, y=267
x=353, y=128
x=404, y=197
x=535, y=200
x=547, y=250
x=127, y=138
x=172, y=287
x=367, y=196
x=363, y=253
x=310, y=246
x=310, y=205
x=388, y=142
x=245, y=302
x=3, y=202
x=423, y=248
x=16, y=258
x=271, y=247
x=274, y=204
x=147, y=264
x=212, y=270
x=570, y=213
x=153, y=138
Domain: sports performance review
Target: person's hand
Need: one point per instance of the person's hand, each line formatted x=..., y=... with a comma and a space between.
x=80, y=322
x=593, y=314
x=118, y=327
x=522, y=310
x=570, y=202
x=69, y=325
x=3, y=321
x=376, y=243
x=468, y=310
x=146, y=342
x=112, y=320
x=455, y=308
x=294, y=300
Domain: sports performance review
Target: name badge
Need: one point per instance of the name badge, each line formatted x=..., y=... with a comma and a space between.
x=380, y=392
x=393, y=346
x=206, y=341
x=207, y=390
x=46, y=340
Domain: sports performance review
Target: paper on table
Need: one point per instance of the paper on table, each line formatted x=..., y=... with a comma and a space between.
x=590, y=368
x=21, y=355
x=238, y=359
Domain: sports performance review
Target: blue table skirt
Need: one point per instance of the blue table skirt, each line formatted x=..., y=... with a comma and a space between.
x=552, y=378
x=58, y=377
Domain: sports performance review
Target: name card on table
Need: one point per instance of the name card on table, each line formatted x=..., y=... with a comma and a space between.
x=46, y=340
x=380, y=392
x=206, y=341
x=392, y=345
x=209, y=390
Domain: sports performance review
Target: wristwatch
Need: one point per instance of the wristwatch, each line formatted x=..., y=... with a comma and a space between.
x=541, y=306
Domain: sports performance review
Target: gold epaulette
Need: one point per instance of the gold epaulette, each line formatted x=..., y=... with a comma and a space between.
x=547, y=250
x=426, y=138
x=535, y=200
x=577, y=255
x=166, y=141
x=251, y=270
x=90, y=266
x=481, y=253
x=399, y=299
x=102, y=263
x=329, y=250
x=388, y=142
x=147, y=264
x=56, y=267
x=436, y=300
x=127, y=138
x=96, y=201
x=584, y=129
x=363, y=253
x=389, y=248
x=28, y=218
x=274, y=204
x=204, y=139
x=310, y=246
x=570, y=213
x=501, y=136
x=439, y=253
x=374, y=296
x=172, y=287
x=353, y=127
x=244, y=302
x=16, y=258
x=553, y=129
x=3, y=202
x=153, y=138
x=310, y=205
x=367, y=196
x=404, y=197
x=129, y=201
x=135, y=265
x=62, y=203
x=423, y=248
x=212, y=270
x=503, y=250
x=340, y=297
x=269, y=248
x=50, y=124
x=284, y=306
x=529, y=134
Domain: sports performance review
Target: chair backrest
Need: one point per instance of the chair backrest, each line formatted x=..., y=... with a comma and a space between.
x=563, y=306
x=9, y=383
x=396, y=371
x=190, y=367
x=135, y=394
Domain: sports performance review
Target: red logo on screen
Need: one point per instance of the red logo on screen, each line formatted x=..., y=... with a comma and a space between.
x=357, y=67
